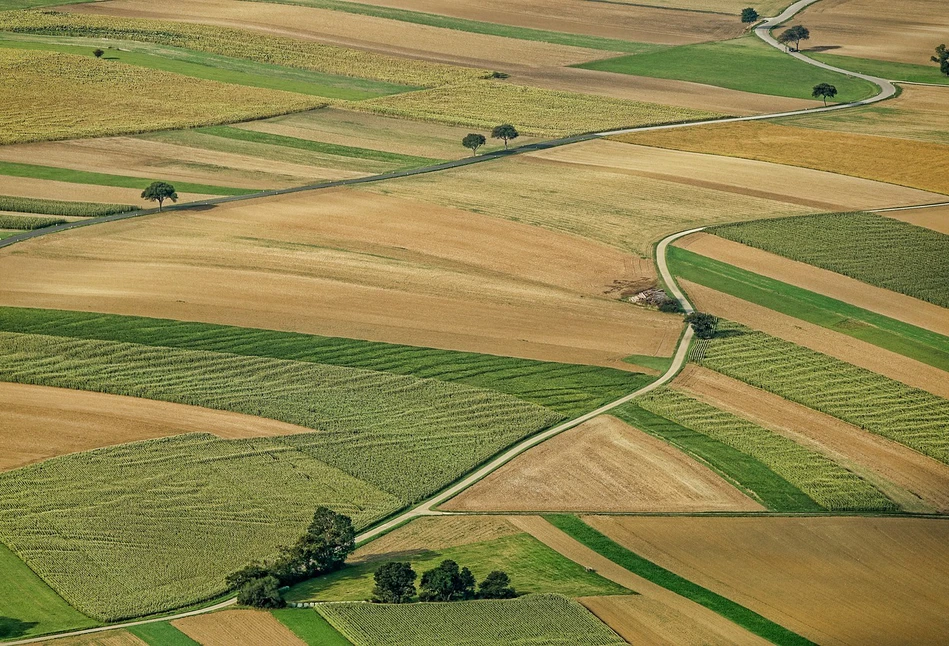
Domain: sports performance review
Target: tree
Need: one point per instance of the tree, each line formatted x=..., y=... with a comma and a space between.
x=473, y=141
x=795, y=35
x=749, y=15
x=245, y=575
x=505, y=132
x=824, y=91
x=328, y=540
x=670, y=305
x=942, y=59
x=497, y=585
x=447, y=583
x=395, y=583
x=98, y=53
x=702, y=324
x=261, y=593
x=159, y=192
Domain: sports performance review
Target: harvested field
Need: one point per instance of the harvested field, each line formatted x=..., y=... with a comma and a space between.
x=876, y=299
x=872, y=29
x=936, y=218
x=836, y=581
x=39, y=422
x=68, y=191
x=237, y=628
x=435, y=533
x=689, y=617
x=603, y=465
x=918, y=483
x=823, y=340
x=356, y=265
x=108, y=638
x=915, y=164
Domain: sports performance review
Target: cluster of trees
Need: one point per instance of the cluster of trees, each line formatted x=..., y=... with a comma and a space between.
x=942, y=59
x=795, y=35
x=328, y=540
x=395, y=583
x=505, y=131
x=702, y=324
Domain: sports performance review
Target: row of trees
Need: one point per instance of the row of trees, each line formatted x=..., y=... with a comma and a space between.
x=505, y=131
x=395, y=583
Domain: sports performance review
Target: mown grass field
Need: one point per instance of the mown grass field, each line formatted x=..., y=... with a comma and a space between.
x=885, y=69
x=872, y=248
x=161, y=633
x=903, y=414
x=310, y=627
x=541, y=620
x=827, y=483
x=744, y=64
x=60, y=207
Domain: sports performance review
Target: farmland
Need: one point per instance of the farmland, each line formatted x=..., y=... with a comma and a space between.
x=871, y=248
x=310, y=627
x=536, y=619
x=55, y=207
x=233, y=627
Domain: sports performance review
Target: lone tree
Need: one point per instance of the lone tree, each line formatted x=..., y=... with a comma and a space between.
x=98, y=53
x=702, y=324
x=824, y=91
x=395, y=583
x=447, y=583
x=261, y=593
x=749, y=15
x=505, y=132
x=795, y=35
x=159, y=192
x=942, y=59
x=497, y=585
x=473, y=141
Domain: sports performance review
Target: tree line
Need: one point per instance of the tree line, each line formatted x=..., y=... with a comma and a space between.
x=395, y=583
x=505, y=131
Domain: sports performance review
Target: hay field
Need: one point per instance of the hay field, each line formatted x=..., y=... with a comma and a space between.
x=836, y=581
x=237, y=628
x=872, y=29
x=915, y=164
x=358, y=265
x=38, y=422
x=936, y=218
x=138, y=99
x=603, y=465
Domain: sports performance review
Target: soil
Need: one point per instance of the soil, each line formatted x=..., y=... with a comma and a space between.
x=237, y=628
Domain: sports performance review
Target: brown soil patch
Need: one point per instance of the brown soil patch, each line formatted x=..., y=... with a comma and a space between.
x=237, y=628
x=695, y=623
x=936, y=218
x=821, y=339
x=105, y=638
x=906, y=32
x=52, y=190
x=353, y=264
x=435, y=533
x=916, y=164
x=843, y=288
x=603, y=465
x=37, y=422
x=836, y=581
x=921, y=483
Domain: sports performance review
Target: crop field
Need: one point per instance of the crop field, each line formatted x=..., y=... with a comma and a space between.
x=603, y=465
x=236, y=628
x=906, y=162
x=110, y=638
x=898, y=412
x=310, y=627
x=544, y=620
x=27, y=222
x=812, y=564
x=824, y=481
x=936, y=218
x=909, y=72
x=871, y=248
x=161, y=633
x=57, y=207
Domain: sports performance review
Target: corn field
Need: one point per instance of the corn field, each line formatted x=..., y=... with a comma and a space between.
x=60, y=207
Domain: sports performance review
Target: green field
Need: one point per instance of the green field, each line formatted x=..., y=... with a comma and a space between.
x=4, y=234
x=745, y=64
x=532, y=566
x=536, y=620
x=889, y=408
x=310, y=627
x=569, y=389
x=887, y=333
x=872, y=248
x=27, y=222
x=751, y=621
x=827, y=483
x=29, y=607
x=60, y=207
x=161, y=633
x=885, y=69
x=14, y=169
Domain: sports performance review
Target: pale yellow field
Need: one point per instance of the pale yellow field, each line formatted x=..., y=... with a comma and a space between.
x=107, y=638
x=434, y=533
x=237, y=628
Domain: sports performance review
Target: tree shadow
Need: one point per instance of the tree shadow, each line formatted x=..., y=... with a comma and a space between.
x=10, y=627
x=822, y=48
x=721, y=334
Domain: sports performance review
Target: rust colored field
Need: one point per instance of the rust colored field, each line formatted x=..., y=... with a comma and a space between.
x=915, y=481
x=915, y=164
x=37, y=422
x=936, y=218
x=836, y=581
x=435, y=533
x=237, y=628
x=53, y=190
x=843, y=288
x=677, y=619
x=907, y=32
x=357, y=265
x=603, y=465
x=107, y=638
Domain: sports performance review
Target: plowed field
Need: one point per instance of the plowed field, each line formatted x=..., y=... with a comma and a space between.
x=237, y=628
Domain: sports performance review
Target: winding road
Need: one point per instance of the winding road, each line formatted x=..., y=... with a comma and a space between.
x=427, y=507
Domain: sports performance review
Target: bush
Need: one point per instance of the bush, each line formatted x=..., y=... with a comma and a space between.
x=669, y=305
x=261, y=593
x=703, y=324
x=749, y=15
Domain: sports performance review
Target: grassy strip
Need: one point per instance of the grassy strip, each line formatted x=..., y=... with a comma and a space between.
x=872, y=248
x=400, y=161
x=744, y=64
x=161, y=633
x=884, y=332
x=60, y=207
x=310, y=626
x=9, y=5
x=8, y=234
x=747, y=619
x=885, y=69
x=750, y=474
x=34, y=171
x=476, y=26
x=27, y=222
x=566, y=388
